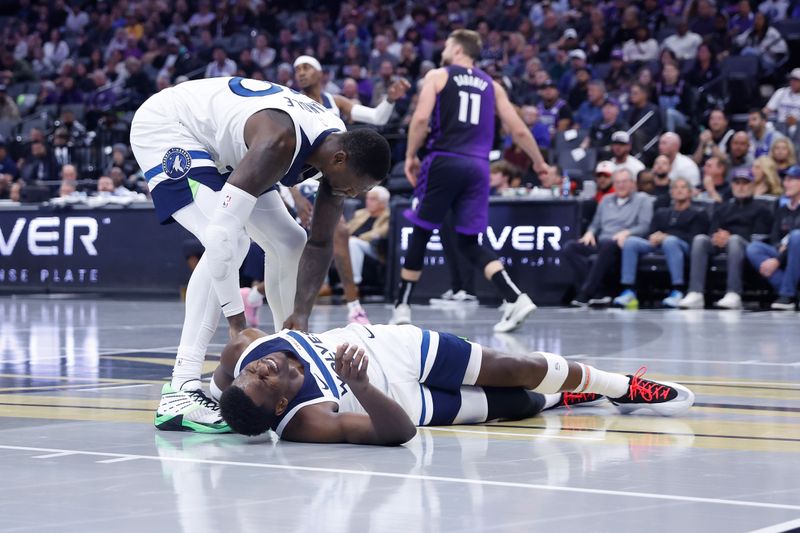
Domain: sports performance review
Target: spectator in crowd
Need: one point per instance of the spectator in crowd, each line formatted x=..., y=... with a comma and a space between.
x=761, y=136
x=782, y=152
x=5, y=186
x=715, y=184
x=742, y=20
x=774, y=9
x=55, y=50
x=739, y=153
x=69, y=173
x=8, y=109
x=8, y=167
x=646, y=182
x=733, y=225
x=553, y=180
x=579, y=92
x=714, y=140
x=661, y=182
x=119, y=179
x=540, y=132
x=590, y=112
x=63, y=150
x=684, y=43
x=765, y=177
x=246, y=67
x=675, y=97
x=577, y=62
x=778, y=260
x=603, y=177
x=221, y=65
x=503, y=176
x=621, y=153
x=600, y=134
x=784, y=105
x=261, y=53
x=554, y=112
x=41, y=166
x=705, y=69
x=105, y=186
x=643, y=114
x=671, y=231
x=619, y=216
x=681, y=166
x=68, y=190
x=763, y=41
x=77, y=131
x=642, y=48
x=202, y=19
x=15, y=192
x=618, y=78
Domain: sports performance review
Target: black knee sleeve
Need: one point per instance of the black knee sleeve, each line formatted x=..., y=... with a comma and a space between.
x=415, y=255
x=478, y=255
x=512, y=403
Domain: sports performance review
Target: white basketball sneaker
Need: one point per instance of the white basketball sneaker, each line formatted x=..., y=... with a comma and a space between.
x=731, y=300
x=188, y=410
x=656, y=397
x=515, y=313
x=401, y=315
x=693, y=300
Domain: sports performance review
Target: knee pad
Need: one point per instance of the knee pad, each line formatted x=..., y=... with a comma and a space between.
x=474, y=252
x=222, y=248
x=415, y=256
x=556, y=375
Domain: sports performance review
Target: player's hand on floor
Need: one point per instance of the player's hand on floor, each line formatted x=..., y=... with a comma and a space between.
x=350, y=363
x=296, y=321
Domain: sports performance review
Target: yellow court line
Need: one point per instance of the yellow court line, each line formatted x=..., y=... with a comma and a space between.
x=85, y=415
x=118, y=381
x=78, y=401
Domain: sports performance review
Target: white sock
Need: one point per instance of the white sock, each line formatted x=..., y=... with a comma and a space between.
x=597, y=381
x=550, y=400
x=355, y=305
x=200, y=323
x=192, y=384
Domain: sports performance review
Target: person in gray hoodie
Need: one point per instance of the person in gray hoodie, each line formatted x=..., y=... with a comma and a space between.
x=620, y=215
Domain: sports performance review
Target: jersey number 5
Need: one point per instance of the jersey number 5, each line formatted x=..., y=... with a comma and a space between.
x=265, y=89
x=464, y=101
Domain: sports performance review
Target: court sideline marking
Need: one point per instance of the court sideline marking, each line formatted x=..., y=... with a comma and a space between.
x=417, y=477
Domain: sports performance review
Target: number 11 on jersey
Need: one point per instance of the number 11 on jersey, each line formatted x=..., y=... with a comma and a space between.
x=465, y=102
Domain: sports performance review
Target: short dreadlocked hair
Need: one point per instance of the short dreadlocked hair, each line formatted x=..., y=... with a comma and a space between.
x=242, y=415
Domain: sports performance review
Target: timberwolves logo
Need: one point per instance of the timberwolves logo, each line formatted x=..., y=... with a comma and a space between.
x=176, y=163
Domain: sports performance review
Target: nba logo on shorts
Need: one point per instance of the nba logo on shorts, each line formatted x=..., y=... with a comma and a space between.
x=176, y=163
x=227, y=201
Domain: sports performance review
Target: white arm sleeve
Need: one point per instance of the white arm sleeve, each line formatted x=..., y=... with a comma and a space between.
x=377, y=116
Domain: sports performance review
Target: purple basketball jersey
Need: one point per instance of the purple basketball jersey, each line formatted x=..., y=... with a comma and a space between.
x=463, y=118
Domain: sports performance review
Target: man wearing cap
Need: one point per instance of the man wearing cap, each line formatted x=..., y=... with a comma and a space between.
x=671, y=231
x=577, y=61
x=779, y=261
x=785, y=106
x=621, y=153
x=308, y=75
x=603, y=178
x=733, y=225
x=682, y=166
x=554, y=112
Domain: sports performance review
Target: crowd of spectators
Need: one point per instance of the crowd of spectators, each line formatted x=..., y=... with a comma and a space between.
x=664, y=89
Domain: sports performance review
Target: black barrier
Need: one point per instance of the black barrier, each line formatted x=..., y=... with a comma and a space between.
x=90, y=250
x=526, y=234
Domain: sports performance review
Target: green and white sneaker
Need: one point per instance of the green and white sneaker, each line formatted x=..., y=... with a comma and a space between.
x=188, y=410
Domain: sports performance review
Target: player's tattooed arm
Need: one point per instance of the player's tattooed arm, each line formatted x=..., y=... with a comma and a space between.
x=271, y=139
x=317, y=255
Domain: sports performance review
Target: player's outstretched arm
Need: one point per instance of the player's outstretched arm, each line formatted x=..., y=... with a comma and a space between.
x=317, y=255
x=386, y=423
x=519, y=131
x=378, y=115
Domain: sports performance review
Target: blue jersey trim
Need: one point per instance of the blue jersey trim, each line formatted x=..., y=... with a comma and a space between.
x=426, y=341
x=422, y=398
x=326, y=373
x=306, y=149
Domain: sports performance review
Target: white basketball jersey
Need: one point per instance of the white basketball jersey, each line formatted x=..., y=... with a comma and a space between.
x=215, y=111
x=330, y=104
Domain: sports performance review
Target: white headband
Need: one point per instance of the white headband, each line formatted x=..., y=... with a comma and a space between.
x=307, y=60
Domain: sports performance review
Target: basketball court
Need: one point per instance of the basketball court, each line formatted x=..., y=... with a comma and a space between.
x=81, y=379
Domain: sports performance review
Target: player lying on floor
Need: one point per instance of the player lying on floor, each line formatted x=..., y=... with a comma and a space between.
x=375, y=384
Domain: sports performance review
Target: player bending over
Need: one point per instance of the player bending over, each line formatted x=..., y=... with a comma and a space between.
x=375, y=384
